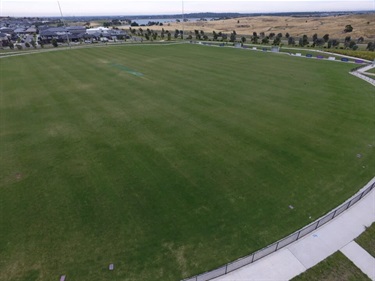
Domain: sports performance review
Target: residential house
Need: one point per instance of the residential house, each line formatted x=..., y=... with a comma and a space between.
x=31, y=30
x=4, y=40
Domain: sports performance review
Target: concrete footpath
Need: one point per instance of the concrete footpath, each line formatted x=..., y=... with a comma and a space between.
x=362, y=259
x=303, y=254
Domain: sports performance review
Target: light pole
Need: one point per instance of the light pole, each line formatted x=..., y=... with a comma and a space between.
x=66, y=30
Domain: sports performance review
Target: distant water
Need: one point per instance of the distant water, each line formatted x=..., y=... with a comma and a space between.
x=164, y=21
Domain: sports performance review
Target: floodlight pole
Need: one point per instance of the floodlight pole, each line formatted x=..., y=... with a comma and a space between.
x=62, y=19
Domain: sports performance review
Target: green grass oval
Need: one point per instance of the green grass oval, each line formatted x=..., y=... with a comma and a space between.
x=176, y=171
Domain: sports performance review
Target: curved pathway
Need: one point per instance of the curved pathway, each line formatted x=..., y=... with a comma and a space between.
x=338, y=234
x=361, y=71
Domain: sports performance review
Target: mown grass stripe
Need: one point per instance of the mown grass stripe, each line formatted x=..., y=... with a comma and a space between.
x=198, y=159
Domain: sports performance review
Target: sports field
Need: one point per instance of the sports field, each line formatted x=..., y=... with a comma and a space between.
x=168, y=161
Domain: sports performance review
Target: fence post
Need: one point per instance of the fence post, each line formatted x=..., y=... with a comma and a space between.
x=299, y=232
x=334, y=214
x=348, y=204
x=317, y=225
x=226, y=268
x=361, y=195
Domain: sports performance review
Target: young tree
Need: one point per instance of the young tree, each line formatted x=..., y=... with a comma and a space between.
x=243, y=39
x=319, y=42
x=335, y=43
x=265, y=40
x=262, y=35
x=370, y=46
x=233, y=36
x=32, y=43
x=197, y=35
x=287, y=35
x=314, y=38
x=304, y=41
x=54, y=42
x=360, y=40
x=276, y=41
x=291, y=41
x=326, y=37
x=271, y=35
x=169, y=36
x=347, y=41
x=214, y=35
x=352, y=44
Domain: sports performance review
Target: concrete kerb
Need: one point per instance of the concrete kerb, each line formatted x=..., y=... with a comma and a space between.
x=337, y=213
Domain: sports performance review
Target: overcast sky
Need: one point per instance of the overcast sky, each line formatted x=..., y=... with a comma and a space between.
x=155, y=7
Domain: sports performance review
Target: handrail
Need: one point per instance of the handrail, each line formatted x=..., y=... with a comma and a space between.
x=231, y=266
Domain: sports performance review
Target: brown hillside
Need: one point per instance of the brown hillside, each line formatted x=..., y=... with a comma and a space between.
x=364, y=25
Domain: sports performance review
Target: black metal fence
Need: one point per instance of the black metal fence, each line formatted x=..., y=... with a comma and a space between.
x=283, y=242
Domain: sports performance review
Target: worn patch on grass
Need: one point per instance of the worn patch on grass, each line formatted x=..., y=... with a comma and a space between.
x=127, y=69
x=178, y=254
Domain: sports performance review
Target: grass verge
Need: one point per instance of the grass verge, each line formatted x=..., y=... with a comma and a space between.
x=367, y=240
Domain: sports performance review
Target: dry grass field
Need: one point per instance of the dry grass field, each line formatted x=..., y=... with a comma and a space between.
x=364, y=25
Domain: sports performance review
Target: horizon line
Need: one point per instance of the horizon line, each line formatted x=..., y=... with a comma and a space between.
x=175, y=14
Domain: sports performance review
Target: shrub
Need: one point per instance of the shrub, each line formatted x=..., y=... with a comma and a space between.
x=348, y=28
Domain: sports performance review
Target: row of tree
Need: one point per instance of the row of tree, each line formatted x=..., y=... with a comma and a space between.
x=271, y=38
x=263, y=38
